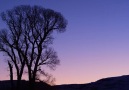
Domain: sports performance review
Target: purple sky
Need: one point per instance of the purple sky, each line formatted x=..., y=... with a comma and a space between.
x=96, y=43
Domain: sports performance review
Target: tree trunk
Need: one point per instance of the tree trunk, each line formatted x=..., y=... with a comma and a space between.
x=31, y=81
x=18, y=85
x=11, y=75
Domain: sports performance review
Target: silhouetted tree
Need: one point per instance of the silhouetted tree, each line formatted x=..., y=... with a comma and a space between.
x=27, y=39
x=9, y=44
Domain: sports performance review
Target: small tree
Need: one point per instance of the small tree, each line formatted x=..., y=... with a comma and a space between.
x=9, y=45
x=27, y=40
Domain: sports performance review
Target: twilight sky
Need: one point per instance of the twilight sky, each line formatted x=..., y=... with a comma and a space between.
x=95, y=44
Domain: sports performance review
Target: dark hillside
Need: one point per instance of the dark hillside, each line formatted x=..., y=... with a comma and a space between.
x=6, y=85
x=112, y=83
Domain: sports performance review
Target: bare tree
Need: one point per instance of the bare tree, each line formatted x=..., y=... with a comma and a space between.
x=27, y=39
x=7, y=44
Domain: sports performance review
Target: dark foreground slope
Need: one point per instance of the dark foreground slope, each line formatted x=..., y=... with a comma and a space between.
x=113, y=83
x=6, y=85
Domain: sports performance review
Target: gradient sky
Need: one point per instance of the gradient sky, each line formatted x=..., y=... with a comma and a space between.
x=96, y=43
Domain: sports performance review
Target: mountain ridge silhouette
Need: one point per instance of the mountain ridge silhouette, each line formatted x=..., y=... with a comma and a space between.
x=110, y=83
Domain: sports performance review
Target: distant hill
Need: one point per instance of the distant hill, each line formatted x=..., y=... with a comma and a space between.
x=112, y=83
